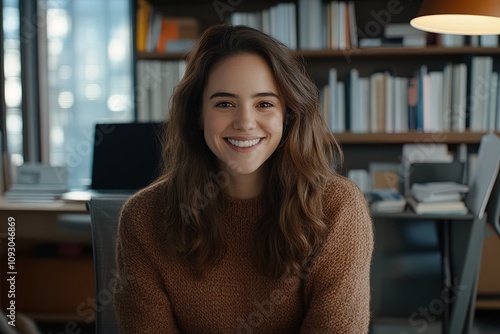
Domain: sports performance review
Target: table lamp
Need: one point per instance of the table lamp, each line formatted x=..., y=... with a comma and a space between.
x=460, y=17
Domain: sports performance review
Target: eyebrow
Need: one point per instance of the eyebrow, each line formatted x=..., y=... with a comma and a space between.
x=226, y=94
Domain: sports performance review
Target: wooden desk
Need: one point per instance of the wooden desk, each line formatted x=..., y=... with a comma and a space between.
x=49, y=288
x=56, y=221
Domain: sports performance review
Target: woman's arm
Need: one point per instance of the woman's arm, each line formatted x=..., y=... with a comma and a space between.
x=337, y=289
x=141, y=302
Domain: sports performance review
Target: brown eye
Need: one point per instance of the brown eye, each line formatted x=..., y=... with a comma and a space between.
x=224, y=105
x=265, y=105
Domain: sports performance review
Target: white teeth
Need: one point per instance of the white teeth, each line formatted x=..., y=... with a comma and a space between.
x=245, y=143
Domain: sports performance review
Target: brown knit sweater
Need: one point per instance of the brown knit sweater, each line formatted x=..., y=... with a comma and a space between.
x=157, y=294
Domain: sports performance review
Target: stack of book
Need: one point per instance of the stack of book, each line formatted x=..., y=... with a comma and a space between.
x=37, y=183
x=438, y=198
x=161, y=33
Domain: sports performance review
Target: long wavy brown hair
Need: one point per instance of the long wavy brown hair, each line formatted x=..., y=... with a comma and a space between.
x=293, y=227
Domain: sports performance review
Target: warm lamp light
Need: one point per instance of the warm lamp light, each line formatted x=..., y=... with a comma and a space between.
x=459, y=17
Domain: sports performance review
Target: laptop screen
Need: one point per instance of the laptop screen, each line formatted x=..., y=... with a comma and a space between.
x=127, y=156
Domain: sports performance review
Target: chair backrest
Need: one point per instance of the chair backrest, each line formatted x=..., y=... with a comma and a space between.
x=493, y=208
x=104, y=213
x=484, y=174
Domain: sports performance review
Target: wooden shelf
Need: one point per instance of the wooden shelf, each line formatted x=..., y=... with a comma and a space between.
x=400, y=51
x=359, y=53
x=410, y=137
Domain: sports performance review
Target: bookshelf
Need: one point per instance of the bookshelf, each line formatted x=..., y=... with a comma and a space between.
x=370, y=17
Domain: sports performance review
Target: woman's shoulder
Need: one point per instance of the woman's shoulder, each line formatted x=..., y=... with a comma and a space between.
x=343, y=196
x=339, y=189
x=146, y=204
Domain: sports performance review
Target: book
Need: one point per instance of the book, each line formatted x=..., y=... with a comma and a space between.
x=142, y=21
x=177, y=30
x=438, y=191
x=402, y=29
x=450, y=207
x=385, y=200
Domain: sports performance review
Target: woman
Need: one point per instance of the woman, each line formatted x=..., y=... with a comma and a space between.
x=249, y=230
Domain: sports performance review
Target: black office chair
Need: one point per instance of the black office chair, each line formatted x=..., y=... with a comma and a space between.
x=104, y=213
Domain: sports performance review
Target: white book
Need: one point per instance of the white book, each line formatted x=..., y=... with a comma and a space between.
x=334, y=32
x=364, y=104
x=449, y=40
x=355, y=107
x=273, y=14
x=459, y=97
x=436, y=102
x=474, y=40
x=292, y=25
x=315, y=24
x=172, y=82
x=332, y=95
x=285, y=23
x=488, y=41
x=341, y=24
x=479, y=93
x=446, y=99
x=325, y=100
x=340, y=110
x=303, y=24
x=236, y=19
x=492, y=103
x=157, y=95
x=426, y=102
x=143, y=91
x=401, y=30
x=416, y=41
x=254, y=20
x=165, y=70
x=401, y=104
x=310, y=24
x=389, y=103
x=266, y=22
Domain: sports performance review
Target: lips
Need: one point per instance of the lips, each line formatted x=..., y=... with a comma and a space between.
x=244, y=143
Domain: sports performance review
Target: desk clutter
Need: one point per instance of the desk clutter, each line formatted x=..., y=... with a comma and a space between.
x=35, y=182
x=438, y=197
x=383, y=188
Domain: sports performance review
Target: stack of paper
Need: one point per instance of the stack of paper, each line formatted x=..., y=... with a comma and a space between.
x=438, y=191
x=438, y=197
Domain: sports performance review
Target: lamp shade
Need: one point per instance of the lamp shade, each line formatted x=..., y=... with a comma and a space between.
x=460, y=17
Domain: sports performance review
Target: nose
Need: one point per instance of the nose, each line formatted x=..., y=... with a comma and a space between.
x=244, y=119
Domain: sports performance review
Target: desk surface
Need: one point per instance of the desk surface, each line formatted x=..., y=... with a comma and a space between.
x=53, y=206
x=80, y=207
x=410, y=214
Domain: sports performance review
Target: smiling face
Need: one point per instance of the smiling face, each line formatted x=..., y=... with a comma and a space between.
x=242, y=114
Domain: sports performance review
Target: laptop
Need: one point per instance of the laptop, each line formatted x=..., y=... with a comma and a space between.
x=126, y=157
